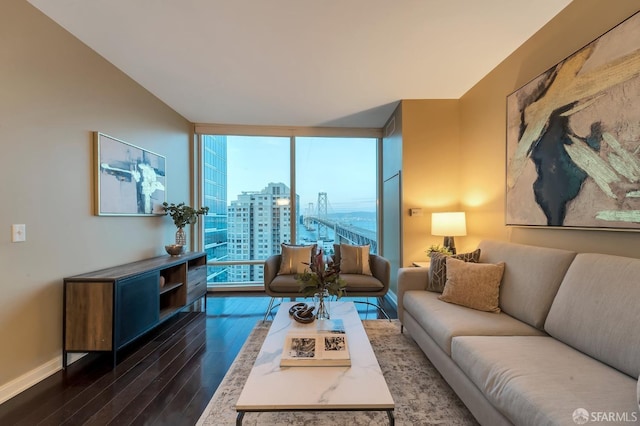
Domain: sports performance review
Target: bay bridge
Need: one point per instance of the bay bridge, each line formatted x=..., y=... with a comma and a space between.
x=344, y=233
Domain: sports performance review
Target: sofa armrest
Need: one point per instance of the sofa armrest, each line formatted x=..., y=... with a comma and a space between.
x=271, y=268
x=381, y=269
x=410, y=279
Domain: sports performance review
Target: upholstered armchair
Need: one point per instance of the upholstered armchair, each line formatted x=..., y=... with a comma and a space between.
x=280, y=282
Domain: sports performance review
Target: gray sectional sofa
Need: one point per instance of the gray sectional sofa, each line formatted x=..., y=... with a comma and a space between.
x=566, y=343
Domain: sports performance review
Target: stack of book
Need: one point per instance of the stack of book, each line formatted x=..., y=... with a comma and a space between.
x=326, y=345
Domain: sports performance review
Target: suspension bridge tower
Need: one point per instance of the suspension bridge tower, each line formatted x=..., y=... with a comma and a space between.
x=322, y=214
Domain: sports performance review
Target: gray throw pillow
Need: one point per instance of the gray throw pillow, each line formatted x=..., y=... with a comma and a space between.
x=438, y=268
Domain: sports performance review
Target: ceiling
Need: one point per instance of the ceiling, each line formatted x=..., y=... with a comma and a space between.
x=343, y=63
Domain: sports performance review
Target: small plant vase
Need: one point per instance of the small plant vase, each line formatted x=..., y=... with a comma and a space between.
x=323, y=304
x=181, y=237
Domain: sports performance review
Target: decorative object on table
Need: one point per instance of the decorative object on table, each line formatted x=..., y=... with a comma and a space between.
x=572, y=144
x=321, y=281
x=302, y=313
x=312, y=349
x=174, y=249
x=449, y=225
x=182, y=216
x=437, y=248
x=130, y=181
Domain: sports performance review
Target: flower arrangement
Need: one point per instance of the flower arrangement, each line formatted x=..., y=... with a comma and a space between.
x=182, y=214
x=322, y=277
x=438, y=249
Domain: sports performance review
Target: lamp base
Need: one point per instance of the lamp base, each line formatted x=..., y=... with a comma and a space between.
x=450, y=244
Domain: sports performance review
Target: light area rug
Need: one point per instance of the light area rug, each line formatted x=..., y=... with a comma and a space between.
x=421, y=395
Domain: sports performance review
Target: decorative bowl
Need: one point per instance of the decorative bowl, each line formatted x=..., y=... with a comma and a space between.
x=174, y=249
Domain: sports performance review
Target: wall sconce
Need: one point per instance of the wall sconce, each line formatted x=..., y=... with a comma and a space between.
x=449, y=225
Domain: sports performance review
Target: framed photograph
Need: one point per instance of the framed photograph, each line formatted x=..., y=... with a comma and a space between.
x=573, y=139
x=130, y=181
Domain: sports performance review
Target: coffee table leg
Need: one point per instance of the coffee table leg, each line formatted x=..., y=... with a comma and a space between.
x=392, y=420
x=239, y=418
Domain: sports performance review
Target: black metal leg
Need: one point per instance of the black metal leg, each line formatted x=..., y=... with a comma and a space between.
x=392, y=420
x=375, y=306
x=269, y=308
x=239, y=418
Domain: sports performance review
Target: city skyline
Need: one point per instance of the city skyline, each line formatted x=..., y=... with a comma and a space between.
x=344, y=168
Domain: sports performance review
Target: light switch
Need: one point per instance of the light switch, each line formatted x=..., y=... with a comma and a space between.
x=415, y=212
x=18, y=233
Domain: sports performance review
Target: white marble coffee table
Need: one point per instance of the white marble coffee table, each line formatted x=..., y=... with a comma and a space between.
x=361, y=387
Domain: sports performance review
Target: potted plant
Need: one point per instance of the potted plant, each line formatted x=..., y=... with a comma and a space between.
x=182, y=216
x=322, y=281
x=439, y=249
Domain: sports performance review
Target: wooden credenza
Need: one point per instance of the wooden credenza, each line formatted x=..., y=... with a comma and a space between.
x=107, y=309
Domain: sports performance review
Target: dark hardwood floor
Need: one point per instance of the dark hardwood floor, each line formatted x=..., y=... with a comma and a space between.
x=165, y=378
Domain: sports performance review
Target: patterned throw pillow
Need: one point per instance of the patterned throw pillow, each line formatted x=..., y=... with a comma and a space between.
x=354, y=259
x=474, y=285
x=438, y=268
x=294, y=259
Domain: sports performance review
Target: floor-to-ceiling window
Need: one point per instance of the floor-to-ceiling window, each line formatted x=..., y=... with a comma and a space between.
x=266, y=190
x=336, y=180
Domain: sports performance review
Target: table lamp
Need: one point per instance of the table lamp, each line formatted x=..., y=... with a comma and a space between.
x=449, y=225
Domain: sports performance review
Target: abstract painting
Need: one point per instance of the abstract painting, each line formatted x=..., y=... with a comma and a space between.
x=573, y=138
x=130, y=181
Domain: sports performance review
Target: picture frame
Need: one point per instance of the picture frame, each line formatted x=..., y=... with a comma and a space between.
x=129, y=180
x=573, y=139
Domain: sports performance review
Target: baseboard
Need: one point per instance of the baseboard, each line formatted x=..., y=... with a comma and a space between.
x=24, y=382
x=14, y=387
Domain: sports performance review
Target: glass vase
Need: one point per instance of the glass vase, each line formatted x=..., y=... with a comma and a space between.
x=322, y=304
x=181, y=237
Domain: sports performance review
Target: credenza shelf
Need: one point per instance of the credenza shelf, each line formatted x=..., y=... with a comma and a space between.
x=170, y=287
x=107, y=309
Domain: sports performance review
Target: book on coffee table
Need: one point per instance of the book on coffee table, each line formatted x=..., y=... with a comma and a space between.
x=315, y=349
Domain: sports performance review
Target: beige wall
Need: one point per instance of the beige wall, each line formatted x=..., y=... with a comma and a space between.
x=453, y=151
x=430, y=169
x=54, y=92
x=483, y=124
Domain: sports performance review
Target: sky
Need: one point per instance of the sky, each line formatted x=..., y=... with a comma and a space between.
x=344, y=168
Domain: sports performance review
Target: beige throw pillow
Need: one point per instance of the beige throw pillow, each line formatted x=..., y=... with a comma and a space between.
x=294, y=259
x=354, y=259
x=438, y=268
x=474, y=285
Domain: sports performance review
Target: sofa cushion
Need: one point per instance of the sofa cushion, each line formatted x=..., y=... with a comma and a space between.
x=438, y=268
x=443, y=321
x=596, y=310
x=285, y=283
x=354, y=259
x=360, y=282
x=474, y=285
x=531, y=277
x=541, y=381
x=295, y=259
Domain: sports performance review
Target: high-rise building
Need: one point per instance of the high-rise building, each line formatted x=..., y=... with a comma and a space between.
x=259, y=221
x=214, y=178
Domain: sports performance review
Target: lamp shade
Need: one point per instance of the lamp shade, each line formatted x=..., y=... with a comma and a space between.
x=448, y=224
